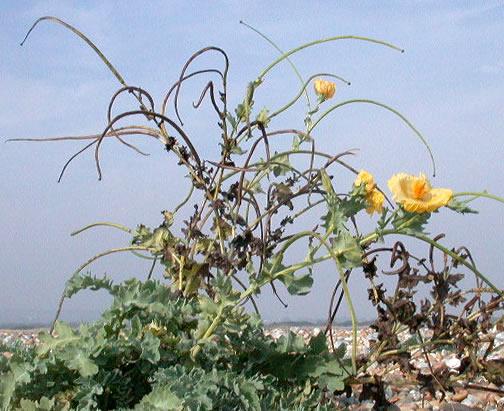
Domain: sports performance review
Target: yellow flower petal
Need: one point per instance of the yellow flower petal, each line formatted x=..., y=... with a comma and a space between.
x=375, y=201
x=416, y=195
x=374, y=198
x=365, y=177
x=325, y=88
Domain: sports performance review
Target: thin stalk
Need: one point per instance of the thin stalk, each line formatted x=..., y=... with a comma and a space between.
x=348, y=299
x=184, y=202
x=88, y=262
x=122, y=131
x=479, y=194
x=144, y=257
x=151, y=271
x=377, y=103
x=242, y=285
x=102, y=224
x=215, y=323
x=410, y=348
x=294, y=68
x=288, y=153
x=83, y=37
x=326, y=40
x=335, y=257
x=303, y=89
x=307, y=208
x=298, y=266
x=266, y=170
x=112, y=251
x=253, y=288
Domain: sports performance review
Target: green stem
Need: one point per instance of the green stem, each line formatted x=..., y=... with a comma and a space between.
x=377, y=103
x=242, y=285
x=411, y=348
x=326, y=40
x=143, y=256
x=296, y=267
x=346, y=290
x=273, y=157
x=307, y=208
x=102, y=224
x=111, y=251
x=296, y=71
x=479, y=194
x=208, y=333
x=185, y=200
x=348, y=299
x=303, y=89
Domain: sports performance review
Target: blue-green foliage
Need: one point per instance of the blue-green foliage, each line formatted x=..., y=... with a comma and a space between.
x=138, y=357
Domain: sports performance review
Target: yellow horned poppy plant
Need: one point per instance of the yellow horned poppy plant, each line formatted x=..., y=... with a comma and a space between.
x=374, y=197
x=325, y=88
x=416, y=195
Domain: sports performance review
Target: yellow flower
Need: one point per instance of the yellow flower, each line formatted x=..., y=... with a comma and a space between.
x=366, y=178
x=374, y=198
x=324, y=88
x=416, y=195
x=375, y=201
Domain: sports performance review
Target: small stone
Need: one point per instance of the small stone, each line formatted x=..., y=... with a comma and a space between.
x=415, y=395
x=7, y=354
x=373, y=336
x=460, y=396
x=277, y=333
x=433, y=404
x=346, y=402
x=388, y=392
x=452, y=363
x=499, y=339
x=422, y=366
x=396, y=388
x=471, y=401
x=365, y=405
x=394, y=399
x=491, y=398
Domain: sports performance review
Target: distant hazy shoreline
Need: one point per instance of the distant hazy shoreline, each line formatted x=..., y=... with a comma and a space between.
x=273, y=324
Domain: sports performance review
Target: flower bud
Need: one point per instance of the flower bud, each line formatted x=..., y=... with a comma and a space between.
x=324, y=88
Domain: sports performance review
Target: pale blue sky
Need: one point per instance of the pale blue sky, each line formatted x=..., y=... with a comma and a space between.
x=449, y=83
